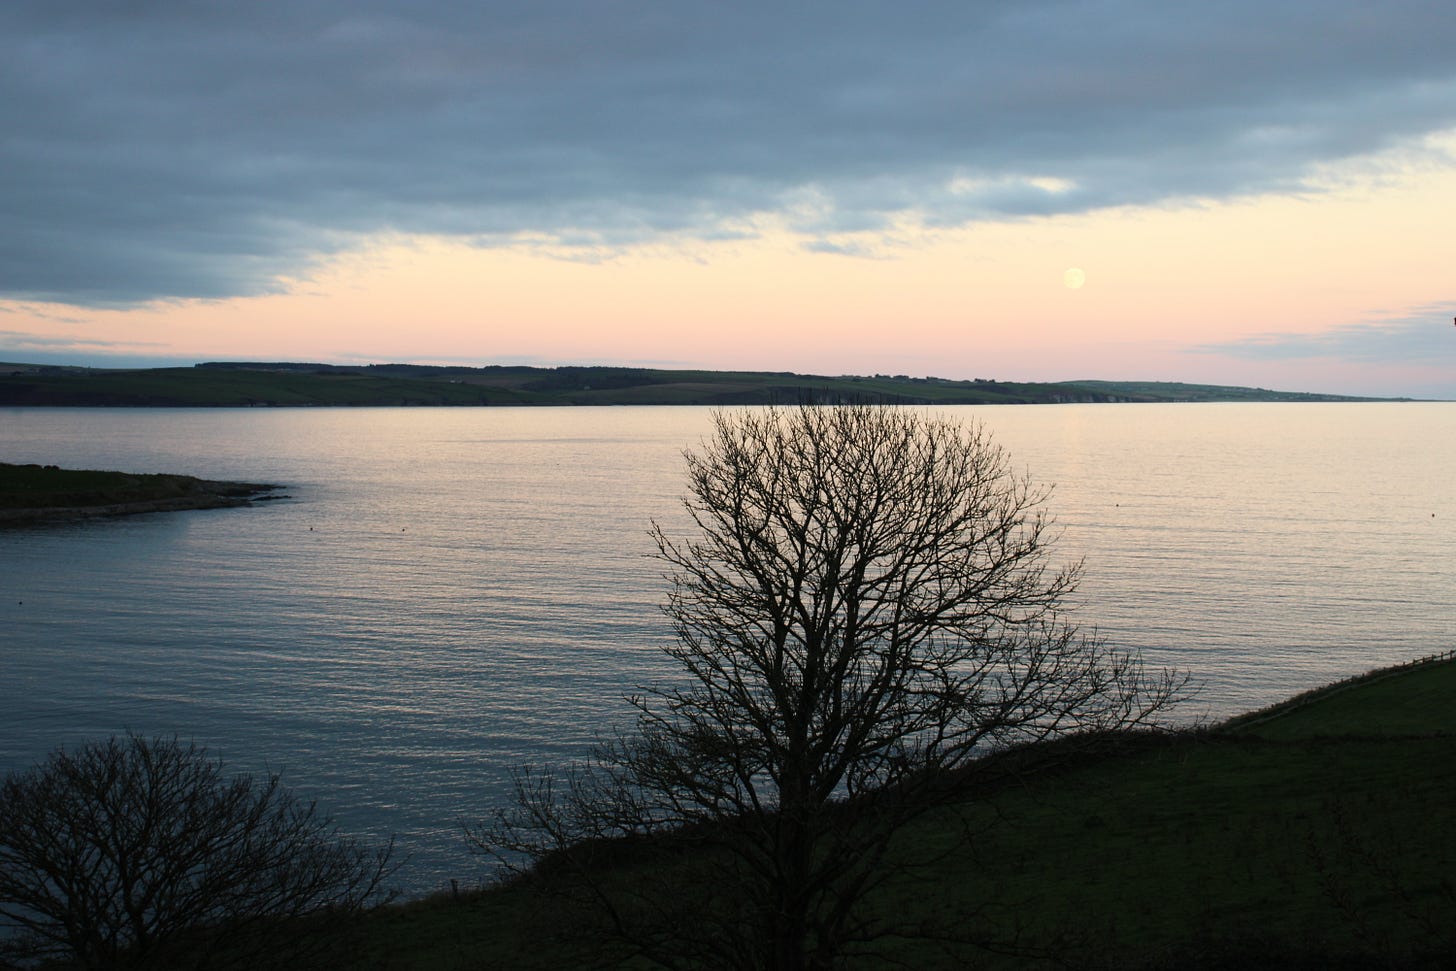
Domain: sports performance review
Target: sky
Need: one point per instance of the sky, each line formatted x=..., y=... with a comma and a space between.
x=1245, y=193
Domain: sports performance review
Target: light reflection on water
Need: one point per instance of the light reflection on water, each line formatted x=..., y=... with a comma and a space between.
x=452, y=592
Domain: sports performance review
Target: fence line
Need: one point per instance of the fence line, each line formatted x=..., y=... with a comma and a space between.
x=1309, y=697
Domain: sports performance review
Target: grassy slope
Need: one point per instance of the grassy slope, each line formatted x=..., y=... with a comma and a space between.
x=1288, y=842
x=1179, y=391
x=1416, y=700
x=182, y=387
x=401, y=384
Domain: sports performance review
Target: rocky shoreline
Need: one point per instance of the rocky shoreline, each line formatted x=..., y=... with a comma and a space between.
x=31, y=494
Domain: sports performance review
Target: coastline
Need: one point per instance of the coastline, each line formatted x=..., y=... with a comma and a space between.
x=36, y=494
x=234, y=384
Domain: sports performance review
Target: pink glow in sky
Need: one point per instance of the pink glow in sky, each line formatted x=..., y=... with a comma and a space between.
x=390, y=186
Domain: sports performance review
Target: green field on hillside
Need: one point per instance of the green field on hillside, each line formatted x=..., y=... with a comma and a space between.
x=330, y=385
x=1316, y=837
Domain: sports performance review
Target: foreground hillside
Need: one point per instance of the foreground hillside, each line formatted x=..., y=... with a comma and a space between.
x=278, y=384
x=1314, y=835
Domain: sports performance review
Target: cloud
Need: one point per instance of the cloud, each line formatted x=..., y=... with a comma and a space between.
x=23, y=341
x=37, y=312
x=1424, y=337
x=180, y=150
x=80, y=351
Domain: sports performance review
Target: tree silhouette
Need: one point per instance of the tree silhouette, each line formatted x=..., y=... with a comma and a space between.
x=866, y=608
x=138, y=852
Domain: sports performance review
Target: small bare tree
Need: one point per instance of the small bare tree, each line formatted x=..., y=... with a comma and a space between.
x=138, y=852
x=866, y=609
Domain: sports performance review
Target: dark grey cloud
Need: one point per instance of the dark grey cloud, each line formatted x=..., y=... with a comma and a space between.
x=151, y=150
x=1424, y=337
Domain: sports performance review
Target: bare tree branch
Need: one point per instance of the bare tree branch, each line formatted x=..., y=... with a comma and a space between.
x=138, y=852
x=868, y=607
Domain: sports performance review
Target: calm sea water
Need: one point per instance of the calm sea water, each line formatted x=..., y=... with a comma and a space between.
x=448, y=593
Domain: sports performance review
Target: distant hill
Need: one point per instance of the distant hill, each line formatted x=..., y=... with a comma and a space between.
x=287, y=384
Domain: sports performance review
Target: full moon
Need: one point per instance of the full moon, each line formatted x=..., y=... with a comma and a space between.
x=1074, y=278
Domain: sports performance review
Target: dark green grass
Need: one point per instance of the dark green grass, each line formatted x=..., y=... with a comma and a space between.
x=1321, y=837
x=1415, y=700
x=1328, y=847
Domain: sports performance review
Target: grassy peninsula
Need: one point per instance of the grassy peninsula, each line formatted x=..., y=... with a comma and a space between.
x=279, y=384
x=1315, y=834
x=45, y=493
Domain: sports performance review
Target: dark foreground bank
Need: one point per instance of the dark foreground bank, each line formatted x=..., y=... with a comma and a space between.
x=1313, y=835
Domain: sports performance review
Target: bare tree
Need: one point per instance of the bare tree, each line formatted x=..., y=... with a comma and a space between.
x=867, y=608
x=138, y=852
